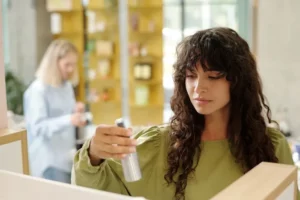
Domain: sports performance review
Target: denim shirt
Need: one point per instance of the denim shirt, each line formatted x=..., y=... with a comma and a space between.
x=50, y=134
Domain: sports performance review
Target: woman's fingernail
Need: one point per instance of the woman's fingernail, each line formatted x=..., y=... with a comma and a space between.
x=129, y=132
x=123, y=155
x=134, y=142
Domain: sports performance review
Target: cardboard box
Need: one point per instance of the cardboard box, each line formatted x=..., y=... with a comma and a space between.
x=18, y=186
x=267, y=181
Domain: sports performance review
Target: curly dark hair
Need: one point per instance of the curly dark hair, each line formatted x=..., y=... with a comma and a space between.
x=219, y=49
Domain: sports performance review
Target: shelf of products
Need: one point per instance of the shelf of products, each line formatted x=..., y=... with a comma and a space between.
x=103, y=65
x=67, y=22
x=94, y=29
x=145, y=20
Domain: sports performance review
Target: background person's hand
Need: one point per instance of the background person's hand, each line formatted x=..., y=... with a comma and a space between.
x=77, y=119
x=79, y=107
x=111, y=142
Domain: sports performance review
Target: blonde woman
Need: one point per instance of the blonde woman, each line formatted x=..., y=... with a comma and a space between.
x=51, y=113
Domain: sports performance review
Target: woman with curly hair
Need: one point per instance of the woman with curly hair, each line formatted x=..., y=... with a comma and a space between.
x=218, y=131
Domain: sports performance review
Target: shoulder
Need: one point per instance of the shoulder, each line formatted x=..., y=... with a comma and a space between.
x=282, y=147
x=151, y=133
x=151, y=137
x=276, y=136
x=36, y=87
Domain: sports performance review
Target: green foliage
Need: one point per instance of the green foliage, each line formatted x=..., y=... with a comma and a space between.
x=14, y=93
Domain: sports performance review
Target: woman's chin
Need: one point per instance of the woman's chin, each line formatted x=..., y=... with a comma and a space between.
x=203, y=111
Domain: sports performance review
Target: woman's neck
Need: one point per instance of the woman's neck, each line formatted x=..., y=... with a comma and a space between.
x=216, y=125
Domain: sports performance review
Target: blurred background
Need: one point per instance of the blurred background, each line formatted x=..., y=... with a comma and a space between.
x=127, y=49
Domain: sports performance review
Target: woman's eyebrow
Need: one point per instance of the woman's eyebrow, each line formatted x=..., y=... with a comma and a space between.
x=191, y=71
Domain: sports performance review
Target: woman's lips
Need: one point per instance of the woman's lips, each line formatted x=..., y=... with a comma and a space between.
x=202, y=101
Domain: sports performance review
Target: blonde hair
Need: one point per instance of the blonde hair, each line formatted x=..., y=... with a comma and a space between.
x=48, y=71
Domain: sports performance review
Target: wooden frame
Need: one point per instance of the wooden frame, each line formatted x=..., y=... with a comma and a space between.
x=267, y=181
x=8, y=136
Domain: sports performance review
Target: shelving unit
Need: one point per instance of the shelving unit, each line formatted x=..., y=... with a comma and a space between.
x=104, y=90
x=67, y=22
x=145, y=20
x=94, y=29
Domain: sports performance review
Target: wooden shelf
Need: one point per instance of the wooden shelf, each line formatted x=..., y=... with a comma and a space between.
x=64, y=11
x=103, y=9
x=146, y=82
x=68, y=6
x=101, y=84
x=151, y=113
x=101, y=33
x=68, y=34
x=145, y=33
x=111, y=32
x=145, y=8
x=106, y=80
x=107, y=103
x=93, y=54
x=149, y=59
x=105, y=112
x=148, y=106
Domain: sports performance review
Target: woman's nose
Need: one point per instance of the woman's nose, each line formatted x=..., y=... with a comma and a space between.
x=200, y=86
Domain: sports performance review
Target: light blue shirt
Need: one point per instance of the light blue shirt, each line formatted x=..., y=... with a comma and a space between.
x=51, y=136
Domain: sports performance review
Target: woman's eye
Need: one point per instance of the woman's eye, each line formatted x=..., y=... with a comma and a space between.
x=190, y=76
x=214, y=77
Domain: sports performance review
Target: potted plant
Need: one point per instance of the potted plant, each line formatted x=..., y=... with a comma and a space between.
x=14, y=93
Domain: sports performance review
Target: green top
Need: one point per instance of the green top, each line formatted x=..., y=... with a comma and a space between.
x=216, y=169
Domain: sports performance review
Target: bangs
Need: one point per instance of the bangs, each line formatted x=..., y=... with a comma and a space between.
x=210, y=52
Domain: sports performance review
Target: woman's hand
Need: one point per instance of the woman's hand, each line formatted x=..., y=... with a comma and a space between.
x=79, y=107
x=111, y=142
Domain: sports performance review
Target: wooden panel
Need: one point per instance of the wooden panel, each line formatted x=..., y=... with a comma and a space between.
x=266, y=181
x=146, y=115
x=106, y=113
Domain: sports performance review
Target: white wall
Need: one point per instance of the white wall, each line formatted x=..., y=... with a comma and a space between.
x=13, y=162
x=21, y=26
x=278, y=55
x=28, y=35
x=3, y=119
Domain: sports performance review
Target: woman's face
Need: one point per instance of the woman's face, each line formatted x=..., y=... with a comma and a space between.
x=208, y=91
x=67, y=65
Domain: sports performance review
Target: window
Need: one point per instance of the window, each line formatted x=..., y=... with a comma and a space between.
x=185, y=17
